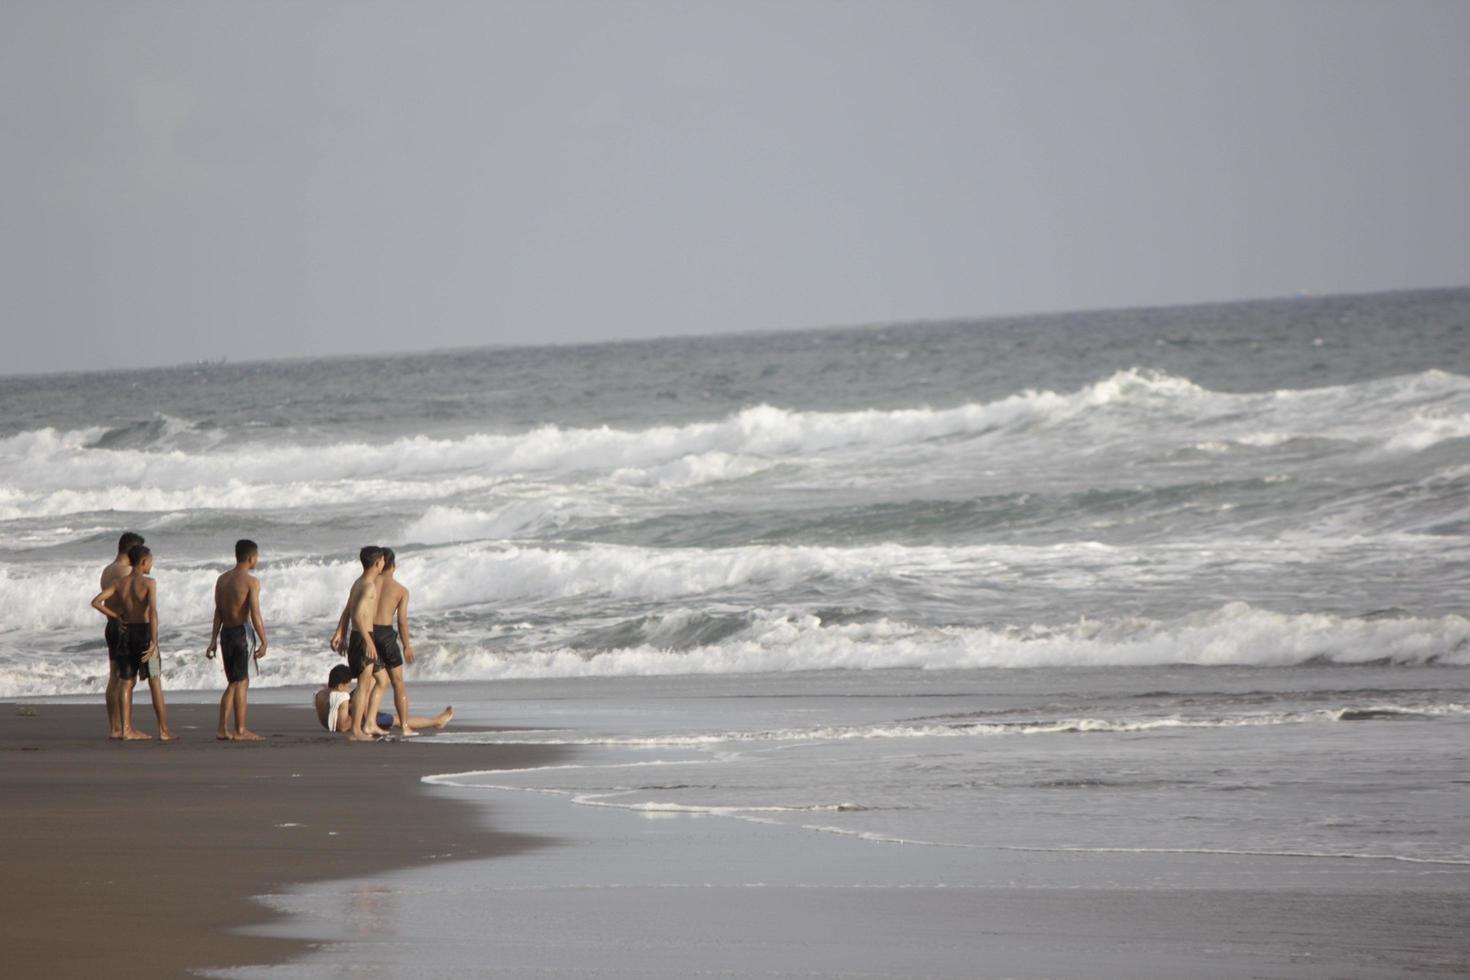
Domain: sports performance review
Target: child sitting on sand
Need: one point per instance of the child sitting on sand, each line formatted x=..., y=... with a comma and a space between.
x=334, y=706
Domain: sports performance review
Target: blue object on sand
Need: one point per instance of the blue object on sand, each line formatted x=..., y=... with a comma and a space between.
x=385, y=720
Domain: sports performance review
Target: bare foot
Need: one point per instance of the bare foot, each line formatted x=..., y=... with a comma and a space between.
x=246, y=735
x=223, y=736
x=116, y=736
x=360, y=737
x=135, y=736
x=374, y=730
x=406, y=732
x=164, y=735
x=444, y=717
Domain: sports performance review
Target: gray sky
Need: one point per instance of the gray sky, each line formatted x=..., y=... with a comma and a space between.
x=187, y=180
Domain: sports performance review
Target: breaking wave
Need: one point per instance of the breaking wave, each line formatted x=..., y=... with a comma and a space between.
x=461, y=576
x=1236, y=634
x=165, y=464
x=769, y=641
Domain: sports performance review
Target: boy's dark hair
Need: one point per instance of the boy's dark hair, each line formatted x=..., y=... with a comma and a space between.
x=244, y=548
x=369, y=555
x=128, y=541
x=390, y=560
x=341, y=674
x=137, y=553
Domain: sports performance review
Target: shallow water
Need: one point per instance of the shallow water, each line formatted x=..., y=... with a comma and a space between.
x=1117, y=822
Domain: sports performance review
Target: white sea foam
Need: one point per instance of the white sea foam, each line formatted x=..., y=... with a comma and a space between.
x=1235, y=634
x=519, y=518
x=970, y=730
x=46, y=472
x=455, y=576
x=475, y=574
x=231, y=494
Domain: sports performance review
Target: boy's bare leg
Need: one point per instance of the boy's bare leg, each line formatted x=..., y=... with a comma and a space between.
x=160, y=710
x=370, y=719
x=242, y=692
x=125, y=707
x=226, y=701
x=360, y=699
x=114, y=712
x=400, y=700
x=438, y=721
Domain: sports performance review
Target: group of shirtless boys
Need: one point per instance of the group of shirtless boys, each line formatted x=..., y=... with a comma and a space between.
x=365, y=635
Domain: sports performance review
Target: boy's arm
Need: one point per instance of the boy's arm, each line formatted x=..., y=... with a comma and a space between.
x=152, y=618
x=99, y=602
x=255, y=619
x=339, y=638
x=219, y=620
x=403, y=628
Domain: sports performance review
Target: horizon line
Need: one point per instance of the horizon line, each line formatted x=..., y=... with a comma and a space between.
x=754, y=332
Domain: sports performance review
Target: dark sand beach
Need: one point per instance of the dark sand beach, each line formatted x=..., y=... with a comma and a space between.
x=140, y=859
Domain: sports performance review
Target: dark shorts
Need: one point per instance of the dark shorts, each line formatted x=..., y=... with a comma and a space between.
x=357, y=658
x=234, y=653
x=132, y=641
x=385, y=638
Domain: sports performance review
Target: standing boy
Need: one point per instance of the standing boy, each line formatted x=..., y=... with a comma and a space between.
x=236, y=601
x=119, y=568
x=355, y=626
x=135, y=596
x=393, y=605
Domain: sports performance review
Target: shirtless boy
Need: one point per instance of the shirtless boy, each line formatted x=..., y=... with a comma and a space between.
x=354, y=636
x=392, y=607
x=120, y=567
x=236, y=601
x=334, y=711
x=132, y=602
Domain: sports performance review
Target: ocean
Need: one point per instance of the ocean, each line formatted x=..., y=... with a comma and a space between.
x=1185, y=580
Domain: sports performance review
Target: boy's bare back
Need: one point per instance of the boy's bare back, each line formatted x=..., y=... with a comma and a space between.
x=232, y=593
x=131, y=600
x=110, y=575
x=390, y=597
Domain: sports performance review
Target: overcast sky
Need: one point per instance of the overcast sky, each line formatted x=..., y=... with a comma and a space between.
x=190, y=180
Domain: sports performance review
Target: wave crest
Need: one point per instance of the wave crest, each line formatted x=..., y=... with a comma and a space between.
x=169, y=463
x=767, y=641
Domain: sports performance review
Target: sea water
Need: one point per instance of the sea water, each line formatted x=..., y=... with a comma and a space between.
x=1178, y=580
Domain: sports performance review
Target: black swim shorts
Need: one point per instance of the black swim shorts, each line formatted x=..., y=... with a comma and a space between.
x=385, y=638
x=234, y=653
x=357, y=658
x=133, y=640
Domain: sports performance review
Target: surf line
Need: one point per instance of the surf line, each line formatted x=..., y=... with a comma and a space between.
x=1226, y=852
x=743, y=814
x=452, y=778
x=1213, y=852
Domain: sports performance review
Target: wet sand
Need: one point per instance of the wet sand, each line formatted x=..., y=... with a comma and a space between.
x=141, y=858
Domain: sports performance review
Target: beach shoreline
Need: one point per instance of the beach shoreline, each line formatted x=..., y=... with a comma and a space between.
x=146, y=859
x=640, y=895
